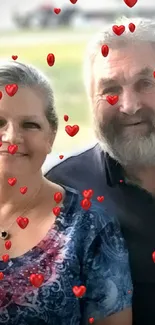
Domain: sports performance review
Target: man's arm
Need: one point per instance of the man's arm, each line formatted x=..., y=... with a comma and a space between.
x=122, y=318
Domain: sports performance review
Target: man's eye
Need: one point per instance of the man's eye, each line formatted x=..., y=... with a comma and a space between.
x=32, y=125
x=145, y=84
x=114, y=90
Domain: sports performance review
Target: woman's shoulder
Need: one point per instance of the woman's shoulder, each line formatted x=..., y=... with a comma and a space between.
x=85, y=214
x=92, y=228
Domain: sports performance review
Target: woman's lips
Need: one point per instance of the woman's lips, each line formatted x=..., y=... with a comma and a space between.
x=15, y=154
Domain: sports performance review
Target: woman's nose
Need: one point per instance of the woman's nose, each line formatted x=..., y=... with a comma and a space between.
x=129, y=102
x=11, y=134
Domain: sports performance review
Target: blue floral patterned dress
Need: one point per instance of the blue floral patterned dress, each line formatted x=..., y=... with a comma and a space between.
x=83, y=247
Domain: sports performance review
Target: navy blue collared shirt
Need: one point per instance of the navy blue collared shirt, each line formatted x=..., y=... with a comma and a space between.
x=134, y=208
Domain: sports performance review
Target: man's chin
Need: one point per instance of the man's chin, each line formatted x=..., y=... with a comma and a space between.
x=131, y=151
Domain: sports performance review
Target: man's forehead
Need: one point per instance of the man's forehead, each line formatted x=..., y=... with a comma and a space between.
x=114, y=77
x=125, y=63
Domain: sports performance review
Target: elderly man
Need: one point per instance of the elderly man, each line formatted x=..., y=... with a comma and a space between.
x=120, y=168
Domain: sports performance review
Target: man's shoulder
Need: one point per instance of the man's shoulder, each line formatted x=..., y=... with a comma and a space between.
x=80, y=170
x=74, y=159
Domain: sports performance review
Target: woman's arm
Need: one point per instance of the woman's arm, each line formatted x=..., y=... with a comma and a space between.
x=106, y=270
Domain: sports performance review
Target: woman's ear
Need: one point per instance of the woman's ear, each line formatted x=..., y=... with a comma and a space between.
x=52, y=136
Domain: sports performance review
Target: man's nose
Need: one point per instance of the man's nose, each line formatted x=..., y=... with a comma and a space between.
x=12, y=134
x=129, y=102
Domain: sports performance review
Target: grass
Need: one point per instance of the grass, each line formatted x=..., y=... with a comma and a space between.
x=59, y=31
x=66, y=76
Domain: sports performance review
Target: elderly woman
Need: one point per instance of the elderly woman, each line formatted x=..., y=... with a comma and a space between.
x=63, y=260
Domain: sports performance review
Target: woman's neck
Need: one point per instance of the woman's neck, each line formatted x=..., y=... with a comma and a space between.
x=13, y=202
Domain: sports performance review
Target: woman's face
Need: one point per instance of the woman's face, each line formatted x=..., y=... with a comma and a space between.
x=23, y=122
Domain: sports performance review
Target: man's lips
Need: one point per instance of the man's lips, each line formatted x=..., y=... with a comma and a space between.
x=135, y=123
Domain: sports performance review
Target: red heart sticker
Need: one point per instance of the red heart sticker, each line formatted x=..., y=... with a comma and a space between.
x=22, y=222
x=73, y=1
x=1, y=94
x=36, y=279
x=11, y=89
x=23, y=190
x=153, y=256
x=50, y=59
x=154, y=74
x=5, y=257
x=112, y=100
x=61, y=156
x=56, y=211
x=100, y=198
x=132, y=27
x=72, y=130
x=57, y=11
x=1, y=275
x=91, y=320
x=118, y=30
x=79, y=291
x=130, y=3
x=14, y=57
x=86, y=204
x=58, y=197
x=12, y=181
x=66, y=117
x=88, y=193
x=105, y=50
x=8, y=244
x=12, y=149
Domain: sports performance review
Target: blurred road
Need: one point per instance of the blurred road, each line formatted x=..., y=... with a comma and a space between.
x=7, y=7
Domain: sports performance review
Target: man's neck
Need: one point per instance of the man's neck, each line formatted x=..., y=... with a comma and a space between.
x=142, y=177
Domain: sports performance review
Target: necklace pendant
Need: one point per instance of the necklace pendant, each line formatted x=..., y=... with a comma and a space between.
x=4, y=234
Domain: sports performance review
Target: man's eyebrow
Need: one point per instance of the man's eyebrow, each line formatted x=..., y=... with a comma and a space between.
x=106, y=82
x=145, y=72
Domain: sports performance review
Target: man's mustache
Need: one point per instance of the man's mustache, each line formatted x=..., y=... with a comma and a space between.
x=146, y=115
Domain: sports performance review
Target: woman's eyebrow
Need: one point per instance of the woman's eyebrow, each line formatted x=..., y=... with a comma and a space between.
x=29, y=117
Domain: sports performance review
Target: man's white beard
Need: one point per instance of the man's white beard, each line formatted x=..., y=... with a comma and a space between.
x=127, y=151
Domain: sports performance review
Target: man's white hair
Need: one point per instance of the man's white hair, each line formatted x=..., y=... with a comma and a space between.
x=144, y=31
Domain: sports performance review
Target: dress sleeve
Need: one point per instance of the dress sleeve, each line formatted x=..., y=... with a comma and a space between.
x=106, y=274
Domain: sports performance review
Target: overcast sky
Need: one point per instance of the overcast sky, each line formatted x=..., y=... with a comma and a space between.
x=82, y=3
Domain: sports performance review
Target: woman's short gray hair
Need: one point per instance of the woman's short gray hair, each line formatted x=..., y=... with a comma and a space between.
x=144, y=32
x=26, y=75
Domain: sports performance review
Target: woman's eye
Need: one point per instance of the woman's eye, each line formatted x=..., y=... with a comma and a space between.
x=2, y=123
x=32, y=125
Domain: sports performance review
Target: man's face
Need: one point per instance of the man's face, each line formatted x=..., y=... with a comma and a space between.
x=126, y=130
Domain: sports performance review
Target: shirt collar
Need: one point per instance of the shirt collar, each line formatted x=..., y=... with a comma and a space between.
x=113, y=171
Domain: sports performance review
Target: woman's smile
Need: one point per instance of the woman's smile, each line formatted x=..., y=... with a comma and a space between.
x=17, y=154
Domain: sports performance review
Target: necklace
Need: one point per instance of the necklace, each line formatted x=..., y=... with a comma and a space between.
x=4, y=233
